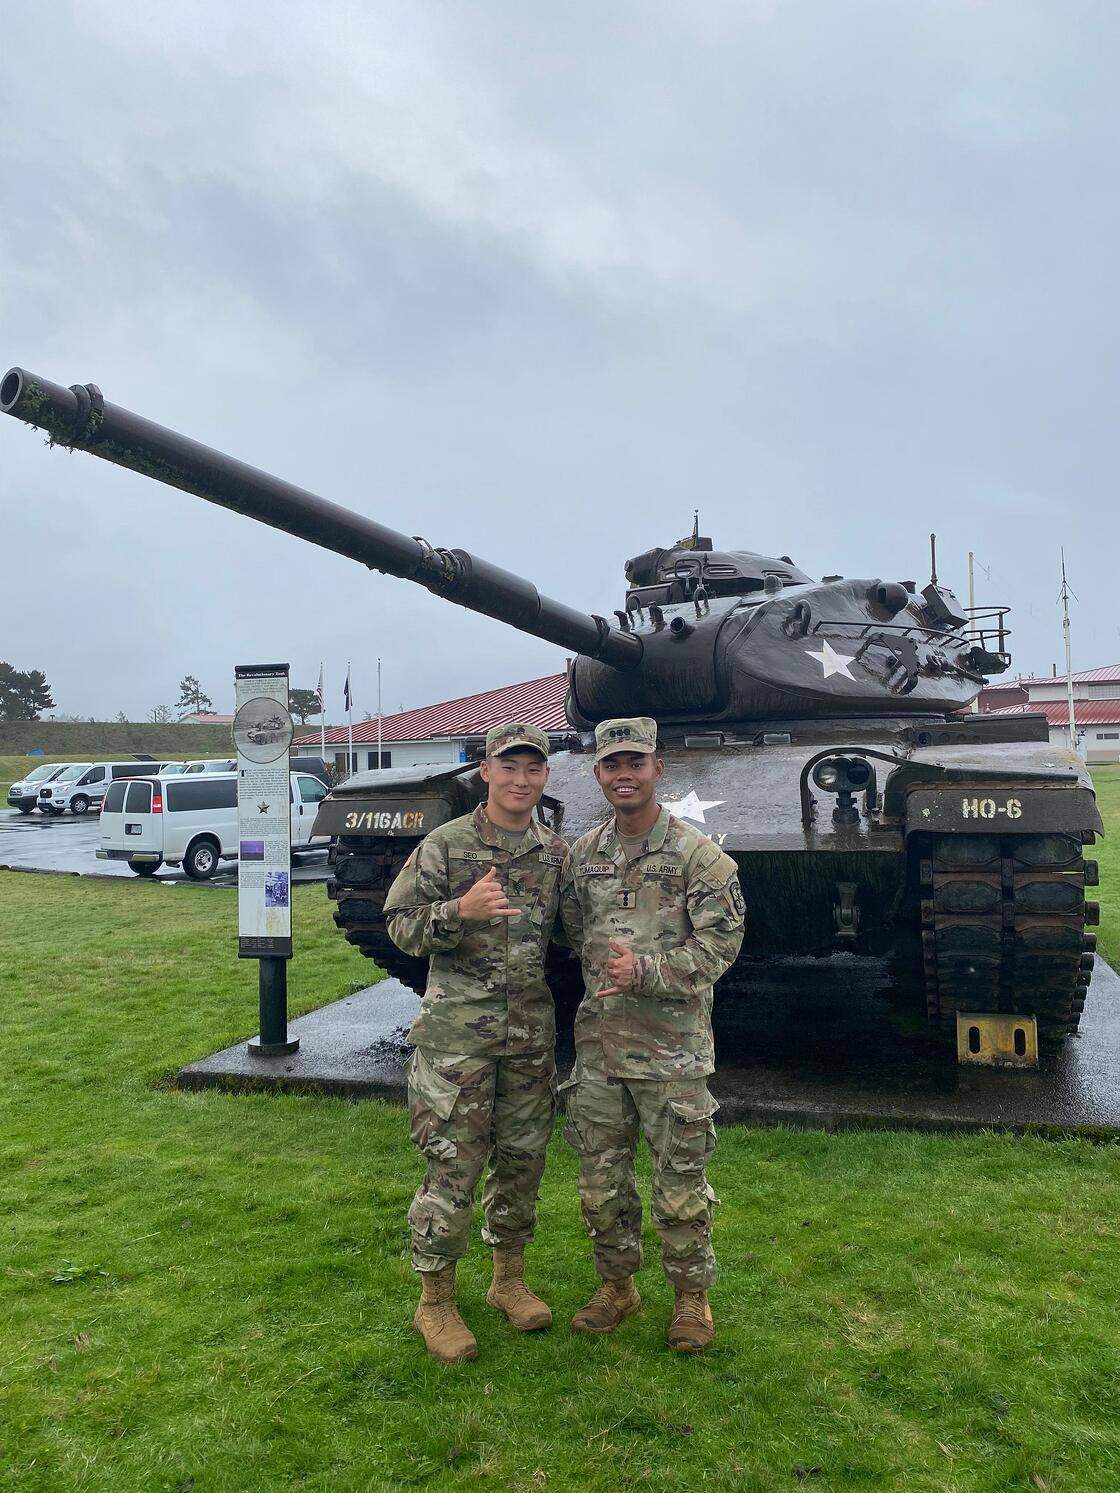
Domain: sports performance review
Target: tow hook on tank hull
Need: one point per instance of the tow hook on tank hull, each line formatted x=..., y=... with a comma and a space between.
x=993, y=1040
x=846, y=912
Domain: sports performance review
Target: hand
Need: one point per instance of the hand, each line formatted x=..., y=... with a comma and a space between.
x=486, y=900
x=620, y=969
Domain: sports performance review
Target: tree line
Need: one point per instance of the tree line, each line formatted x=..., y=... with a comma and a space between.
x=24, y=695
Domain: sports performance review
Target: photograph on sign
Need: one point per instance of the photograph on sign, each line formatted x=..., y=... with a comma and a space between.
x=262, y=728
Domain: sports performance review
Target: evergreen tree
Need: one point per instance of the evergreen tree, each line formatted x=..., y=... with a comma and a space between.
x=193, y=699
x=23, y=695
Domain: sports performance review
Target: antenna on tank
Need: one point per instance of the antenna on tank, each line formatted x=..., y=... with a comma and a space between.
x=1064, y=596
x=933, y=559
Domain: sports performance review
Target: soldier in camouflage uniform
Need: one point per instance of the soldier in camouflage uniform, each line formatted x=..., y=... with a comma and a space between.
x=479, y=897
x=655, y=912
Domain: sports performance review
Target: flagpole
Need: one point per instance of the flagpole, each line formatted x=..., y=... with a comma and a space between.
x=322, y=716
x=379, y=715
x=349, y=722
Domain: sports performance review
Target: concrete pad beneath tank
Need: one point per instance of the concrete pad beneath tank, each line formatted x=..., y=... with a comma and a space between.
x=820, y=1044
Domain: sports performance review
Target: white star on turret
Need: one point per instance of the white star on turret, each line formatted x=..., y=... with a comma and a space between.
x=832, y=662
x=691, y=807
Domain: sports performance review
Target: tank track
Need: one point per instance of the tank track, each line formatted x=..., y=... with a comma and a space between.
x=363, y=870
x=1003, y=929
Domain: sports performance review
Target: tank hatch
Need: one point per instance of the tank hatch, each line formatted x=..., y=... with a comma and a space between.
x=665, y=576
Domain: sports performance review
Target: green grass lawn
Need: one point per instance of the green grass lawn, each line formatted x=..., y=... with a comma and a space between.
x=211, y=1292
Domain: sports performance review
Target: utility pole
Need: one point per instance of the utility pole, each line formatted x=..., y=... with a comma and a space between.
x=1066, y=593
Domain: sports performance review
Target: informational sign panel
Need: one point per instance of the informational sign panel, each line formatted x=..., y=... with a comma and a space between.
x=262, y=734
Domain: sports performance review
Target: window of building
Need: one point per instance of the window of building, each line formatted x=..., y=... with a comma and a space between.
x=1108, y=735
x=386, y=759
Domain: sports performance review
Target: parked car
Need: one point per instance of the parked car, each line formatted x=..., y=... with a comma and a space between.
x=24, y=795
x=86, y=789
x=191, y=821
x=314, y=765
x=211, y=764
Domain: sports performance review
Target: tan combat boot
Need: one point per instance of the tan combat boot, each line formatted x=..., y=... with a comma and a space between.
x=437, y=1320
x=509, y=1293
x=691, y=1328
x=613, y=1300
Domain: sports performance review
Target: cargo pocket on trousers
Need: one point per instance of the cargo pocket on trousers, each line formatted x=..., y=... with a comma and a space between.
x=566, y=1099
x=431, y=1102
x=692, y=1135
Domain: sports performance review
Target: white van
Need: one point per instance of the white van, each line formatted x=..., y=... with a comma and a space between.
x=24, y=795
x=84, y=789
x=67, y=777
x=191, y=821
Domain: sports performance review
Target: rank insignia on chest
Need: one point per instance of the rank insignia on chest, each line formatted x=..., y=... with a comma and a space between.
x=627, y=900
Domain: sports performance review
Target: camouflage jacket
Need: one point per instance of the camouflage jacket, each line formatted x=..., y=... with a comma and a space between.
x=486, y=992
x=678, y=906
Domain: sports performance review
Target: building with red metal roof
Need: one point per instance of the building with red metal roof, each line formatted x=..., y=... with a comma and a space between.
x=1096, y=709
x=453, y=730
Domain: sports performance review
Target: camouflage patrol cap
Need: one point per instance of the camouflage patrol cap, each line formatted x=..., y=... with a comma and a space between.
x=637, y=734
x=506, y=738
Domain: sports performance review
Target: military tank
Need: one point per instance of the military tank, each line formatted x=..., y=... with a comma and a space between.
x=818, y=731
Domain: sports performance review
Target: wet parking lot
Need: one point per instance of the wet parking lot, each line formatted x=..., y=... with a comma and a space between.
x=67, y=846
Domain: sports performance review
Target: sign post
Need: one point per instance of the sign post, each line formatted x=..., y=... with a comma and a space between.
x=262, y=734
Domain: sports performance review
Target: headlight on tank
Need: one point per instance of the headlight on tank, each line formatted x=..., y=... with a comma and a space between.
x=826, y=775
x=842, y=775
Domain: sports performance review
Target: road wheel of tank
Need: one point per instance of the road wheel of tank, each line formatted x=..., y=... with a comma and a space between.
x=363, y=868
x=201, y=859
x=144, y=868
x=1004, y=924
x=79, y=804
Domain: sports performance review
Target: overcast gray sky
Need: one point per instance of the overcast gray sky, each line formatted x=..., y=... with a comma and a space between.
x=536, y=281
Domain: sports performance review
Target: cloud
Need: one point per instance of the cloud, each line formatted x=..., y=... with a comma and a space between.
x=539, y=282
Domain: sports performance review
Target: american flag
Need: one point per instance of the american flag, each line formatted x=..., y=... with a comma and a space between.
x=319, y=690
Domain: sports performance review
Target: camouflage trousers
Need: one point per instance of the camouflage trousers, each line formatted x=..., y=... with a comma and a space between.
x=465, y=1112
x=605, y=1116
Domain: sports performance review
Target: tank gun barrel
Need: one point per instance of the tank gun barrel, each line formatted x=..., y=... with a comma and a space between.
x=79, y=418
